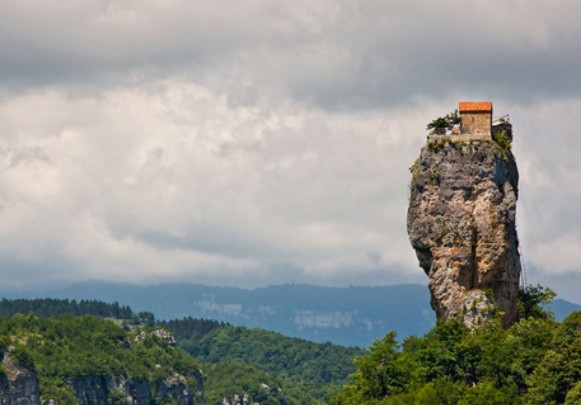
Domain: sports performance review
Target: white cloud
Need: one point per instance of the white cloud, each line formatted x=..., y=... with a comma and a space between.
x=557, y=257
x=265, y=142
x=169, y=179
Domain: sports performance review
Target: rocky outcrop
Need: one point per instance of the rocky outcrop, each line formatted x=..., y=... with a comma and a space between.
x=19, y=386
x=461, y=223
x=173, y=388
x=18, y=383
x=263, y=395
x=101, y=389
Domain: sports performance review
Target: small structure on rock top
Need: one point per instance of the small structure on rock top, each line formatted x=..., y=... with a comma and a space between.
x=475, y=117
x=471, y=122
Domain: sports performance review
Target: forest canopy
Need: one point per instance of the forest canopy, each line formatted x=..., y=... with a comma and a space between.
x=535, y=362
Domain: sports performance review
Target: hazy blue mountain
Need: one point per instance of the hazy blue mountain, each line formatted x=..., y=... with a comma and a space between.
x=351, y=316
x=562, y=308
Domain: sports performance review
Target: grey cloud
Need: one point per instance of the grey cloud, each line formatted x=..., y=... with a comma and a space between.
x=169, y=179
x=266, y=142
x=338, y=55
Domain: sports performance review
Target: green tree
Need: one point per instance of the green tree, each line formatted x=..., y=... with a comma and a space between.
x=380, y=373
x=531, y=300
x=574, y=395
x=559, y=371
x=67, y=348
x=546, y=382
x=489, y=394
x=313, y=368
x=536, y=361
x=446, y=122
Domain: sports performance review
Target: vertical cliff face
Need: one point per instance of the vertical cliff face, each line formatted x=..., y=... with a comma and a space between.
x=461, y=223
x=19, y=386
x=102, y=389
x=18, y=383
x=148, y=369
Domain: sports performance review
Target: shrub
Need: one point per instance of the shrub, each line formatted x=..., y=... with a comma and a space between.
x=503, y=140
x=446, y=122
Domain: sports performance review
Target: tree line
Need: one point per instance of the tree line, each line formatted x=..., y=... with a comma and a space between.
x=46, y=307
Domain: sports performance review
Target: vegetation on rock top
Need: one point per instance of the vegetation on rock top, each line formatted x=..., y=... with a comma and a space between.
x=446, y=122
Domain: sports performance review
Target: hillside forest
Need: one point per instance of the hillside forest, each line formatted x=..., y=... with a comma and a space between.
x=89, y=352
x=535, y=362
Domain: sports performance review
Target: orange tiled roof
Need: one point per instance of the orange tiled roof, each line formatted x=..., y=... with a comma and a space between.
x=465, y=106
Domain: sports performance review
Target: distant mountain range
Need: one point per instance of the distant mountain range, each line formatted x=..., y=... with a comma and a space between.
x=350, y=316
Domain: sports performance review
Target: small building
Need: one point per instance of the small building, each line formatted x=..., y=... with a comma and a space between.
x=475, y=117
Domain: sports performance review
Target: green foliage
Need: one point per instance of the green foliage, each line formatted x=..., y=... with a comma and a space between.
x=503, y=141
x=523, y=347
x=22, y=356
x=381, y=372
x=537, y=361
x=546, y=385
x=437, y=392
x=531, y=300
x=4, y=342
x=574, y=395
x=304, y=368
x=53, y=307
x=488, y=393
x=190, y=328
x=438, y=145
x=559, y=370
x=145, y=318
x=446, y=122
x=66, y=348
x=227, y=378
x=414, y=169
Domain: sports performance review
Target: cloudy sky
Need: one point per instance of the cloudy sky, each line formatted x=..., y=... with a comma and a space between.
x=257, y=142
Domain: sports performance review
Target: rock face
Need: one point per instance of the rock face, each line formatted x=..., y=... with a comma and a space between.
x=18, y=384
x=102, y=389
x=461, y=223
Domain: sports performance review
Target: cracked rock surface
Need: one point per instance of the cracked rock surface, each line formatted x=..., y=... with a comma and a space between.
x=461, y=224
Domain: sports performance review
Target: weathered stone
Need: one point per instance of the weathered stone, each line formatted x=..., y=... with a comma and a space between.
x=18, y=383
x=19, y=386
x=99, y=389
x=461, y=223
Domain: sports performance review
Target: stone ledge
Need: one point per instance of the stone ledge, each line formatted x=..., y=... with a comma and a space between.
x=432, y=138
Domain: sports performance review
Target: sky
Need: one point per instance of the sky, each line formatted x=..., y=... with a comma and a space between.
x=256, y=142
